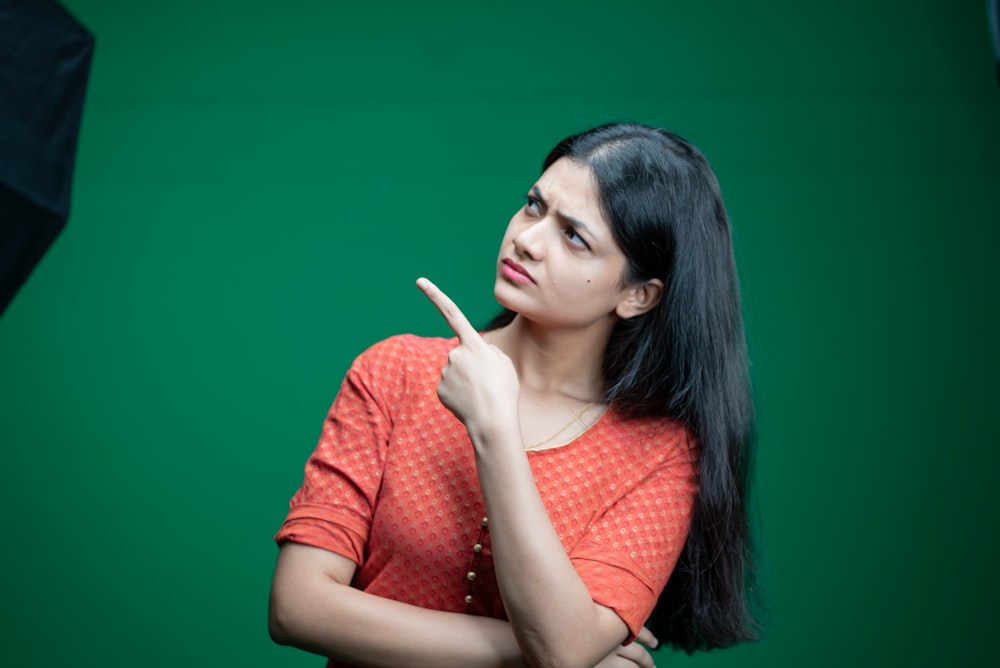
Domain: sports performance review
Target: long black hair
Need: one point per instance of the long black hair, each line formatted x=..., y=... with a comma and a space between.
x=684, y=359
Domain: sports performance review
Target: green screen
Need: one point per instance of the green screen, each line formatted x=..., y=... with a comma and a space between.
x=258, y=184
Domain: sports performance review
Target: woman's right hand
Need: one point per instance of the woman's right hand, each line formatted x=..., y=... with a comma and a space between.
x=479, y=384
x=633, y=654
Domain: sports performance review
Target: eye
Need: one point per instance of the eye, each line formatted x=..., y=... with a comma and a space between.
x=533, y=204
x=574, y=237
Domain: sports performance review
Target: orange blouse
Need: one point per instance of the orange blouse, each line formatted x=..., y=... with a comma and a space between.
x=392, y=485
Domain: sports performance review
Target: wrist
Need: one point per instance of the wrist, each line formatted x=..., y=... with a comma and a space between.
x=495, y=431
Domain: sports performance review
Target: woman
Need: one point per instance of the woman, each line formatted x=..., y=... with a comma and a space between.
x=595, y=441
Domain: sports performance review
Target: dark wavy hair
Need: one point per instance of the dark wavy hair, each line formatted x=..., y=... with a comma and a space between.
x=684, y=359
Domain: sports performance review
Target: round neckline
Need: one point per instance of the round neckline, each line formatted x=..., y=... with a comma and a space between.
x=579, y=437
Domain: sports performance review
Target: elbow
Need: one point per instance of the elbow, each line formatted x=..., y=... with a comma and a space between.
x=277, y=632
x=304, y=584
x=278, y=623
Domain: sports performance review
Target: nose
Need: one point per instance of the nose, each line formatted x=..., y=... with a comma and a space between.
x=529, y=241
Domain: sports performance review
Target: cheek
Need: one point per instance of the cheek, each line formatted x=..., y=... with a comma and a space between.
x=599, y=286
x=597, y=280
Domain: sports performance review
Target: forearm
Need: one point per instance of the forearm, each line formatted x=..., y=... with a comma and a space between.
x=552, y=614
x=314, y=612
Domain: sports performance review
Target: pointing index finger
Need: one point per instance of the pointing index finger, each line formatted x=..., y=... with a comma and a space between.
x=452, y=314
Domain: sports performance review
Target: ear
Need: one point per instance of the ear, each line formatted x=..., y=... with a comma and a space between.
x=640, y=298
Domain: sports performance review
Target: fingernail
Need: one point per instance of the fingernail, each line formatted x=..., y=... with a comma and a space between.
x=422, y=282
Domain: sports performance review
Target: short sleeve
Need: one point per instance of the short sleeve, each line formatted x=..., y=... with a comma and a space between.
x=628, y=553
x=333, y=507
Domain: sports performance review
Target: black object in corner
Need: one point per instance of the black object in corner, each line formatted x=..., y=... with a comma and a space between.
x=45, y=57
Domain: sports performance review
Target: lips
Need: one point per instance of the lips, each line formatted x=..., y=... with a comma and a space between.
x=515, y=272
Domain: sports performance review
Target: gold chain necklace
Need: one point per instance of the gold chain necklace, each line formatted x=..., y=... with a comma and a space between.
x=576, y=417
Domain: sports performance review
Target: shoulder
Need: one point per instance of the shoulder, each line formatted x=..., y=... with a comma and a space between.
x=406, y=354
x=409, y=346
x=650, y=426
x=656, y=439
x=394, y=370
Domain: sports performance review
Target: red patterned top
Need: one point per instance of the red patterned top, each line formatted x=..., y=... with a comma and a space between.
x=392, y=485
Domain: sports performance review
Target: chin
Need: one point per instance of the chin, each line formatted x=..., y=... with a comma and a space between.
x=505, y=294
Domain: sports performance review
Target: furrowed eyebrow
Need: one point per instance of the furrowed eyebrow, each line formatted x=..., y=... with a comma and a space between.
x=574, y=222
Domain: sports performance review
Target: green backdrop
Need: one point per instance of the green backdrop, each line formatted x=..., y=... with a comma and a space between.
x=259, y=183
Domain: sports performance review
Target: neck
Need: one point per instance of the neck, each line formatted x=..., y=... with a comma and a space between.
x=556, y=361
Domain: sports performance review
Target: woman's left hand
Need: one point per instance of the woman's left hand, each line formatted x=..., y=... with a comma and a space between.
x=479, y=384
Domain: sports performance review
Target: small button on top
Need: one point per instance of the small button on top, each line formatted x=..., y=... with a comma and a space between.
x=485, y=522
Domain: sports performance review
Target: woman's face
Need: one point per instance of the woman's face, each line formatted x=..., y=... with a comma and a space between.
x=559, y=264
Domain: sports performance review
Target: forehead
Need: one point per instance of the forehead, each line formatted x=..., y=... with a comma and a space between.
x=570, y=187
